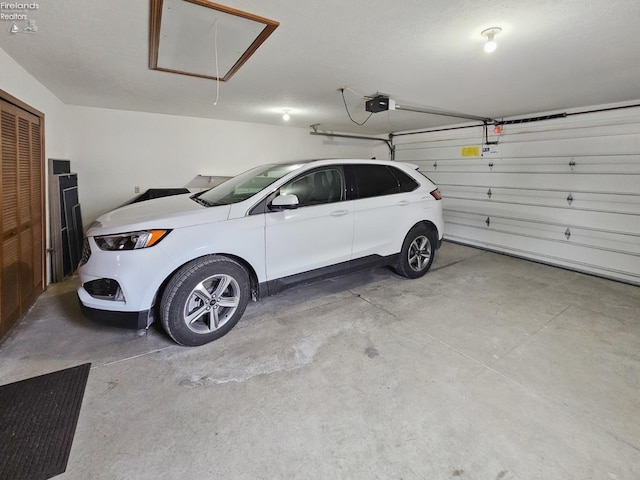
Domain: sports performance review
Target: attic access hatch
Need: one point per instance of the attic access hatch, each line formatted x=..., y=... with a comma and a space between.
x=202, y=38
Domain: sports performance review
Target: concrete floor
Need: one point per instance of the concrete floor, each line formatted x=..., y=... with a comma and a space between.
x=489, y=367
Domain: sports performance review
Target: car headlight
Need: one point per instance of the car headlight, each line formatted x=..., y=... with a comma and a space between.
x=130, y=240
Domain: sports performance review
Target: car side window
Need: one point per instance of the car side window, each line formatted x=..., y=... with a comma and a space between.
x=407, y=184
x=318, y=186
x=375, y=181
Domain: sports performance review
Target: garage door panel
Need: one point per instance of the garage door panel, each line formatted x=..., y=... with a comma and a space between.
x=565, y=165
x=578, y=200
x=627, y=183
x=619, y=128
x=574, y=143
x=448, y=159
x=513, y=196
x=605, y=262
x=627, y=223
x=614, y=241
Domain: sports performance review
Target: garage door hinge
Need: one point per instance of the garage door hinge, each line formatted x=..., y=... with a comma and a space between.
x=567, y=233
x=490, y=165
x=489, y=193
x=572, y=164
x=488, y=221
x=435, y=165
x=570, y=199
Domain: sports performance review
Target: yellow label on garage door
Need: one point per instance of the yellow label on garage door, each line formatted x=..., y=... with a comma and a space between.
x=471, y=151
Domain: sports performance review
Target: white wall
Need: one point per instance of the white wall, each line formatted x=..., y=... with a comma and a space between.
x=17, y=82
x=114, y=151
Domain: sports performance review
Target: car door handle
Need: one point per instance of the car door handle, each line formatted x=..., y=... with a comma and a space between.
x=402, y=203
x=339, y=213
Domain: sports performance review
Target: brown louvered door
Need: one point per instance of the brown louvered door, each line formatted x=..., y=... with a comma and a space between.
x=21, y=217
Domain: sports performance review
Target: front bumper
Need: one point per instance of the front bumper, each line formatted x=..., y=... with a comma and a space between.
x=119, y=288
x=132, y=320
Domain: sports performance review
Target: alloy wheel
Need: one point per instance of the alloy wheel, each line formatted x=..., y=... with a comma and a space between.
x=211, y=303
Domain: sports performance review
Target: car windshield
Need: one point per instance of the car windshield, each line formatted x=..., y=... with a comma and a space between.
x=244, y=186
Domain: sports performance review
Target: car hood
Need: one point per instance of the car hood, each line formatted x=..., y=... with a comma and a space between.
x=175, y=211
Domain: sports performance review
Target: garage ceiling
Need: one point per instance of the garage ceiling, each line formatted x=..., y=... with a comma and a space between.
x=552, y=55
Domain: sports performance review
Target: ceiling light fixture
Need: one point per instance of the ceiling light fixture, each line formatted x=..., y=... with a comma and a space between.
x=286, y=116
x=490, y=33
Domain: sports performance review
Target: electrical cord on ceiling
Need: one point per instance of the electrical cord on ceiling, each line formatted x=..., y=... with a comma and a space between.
x=349, y=114
x=215, y=47
x=364, y=97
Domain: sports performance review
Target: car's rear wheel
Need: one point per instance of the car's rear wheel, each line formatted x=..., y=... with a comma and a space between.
x=418, y=252
x=204, y=300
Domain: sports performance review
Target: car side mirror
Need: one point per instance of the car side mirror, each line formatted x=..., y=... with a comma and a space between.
x=284, y=202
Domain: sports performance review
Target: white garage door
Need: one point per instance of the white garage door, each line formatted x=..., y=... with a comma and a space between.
x=563, y=191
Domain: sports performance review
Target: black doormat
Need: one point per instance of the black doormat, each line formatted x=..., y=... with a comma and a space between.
x=38, y=418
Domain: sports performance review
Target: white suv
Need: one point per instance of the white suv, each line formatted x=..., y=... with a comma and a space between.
x=193, y=261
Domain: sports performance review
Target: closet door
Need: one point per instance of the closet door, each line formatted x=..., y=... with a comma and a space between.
x=21, y=218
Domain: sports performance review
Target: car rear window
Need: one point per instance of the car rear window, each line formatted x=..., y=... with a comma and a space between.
x=407, y=184
x=379, y=180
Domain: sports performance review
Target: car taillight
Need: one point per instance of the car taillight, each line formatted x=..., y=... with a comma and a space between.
x=436, y=194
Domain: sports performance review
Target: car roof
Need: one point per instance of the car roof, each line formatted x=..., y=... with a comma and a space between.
x=329, y=161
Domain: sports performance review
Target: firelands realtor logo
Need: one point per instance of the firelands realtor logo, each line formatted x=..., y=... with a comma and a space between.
x=19, y=16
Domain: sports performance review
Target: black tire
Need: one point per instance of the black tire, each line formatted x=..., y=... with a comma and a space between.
x=204, y=300
x=418, y=252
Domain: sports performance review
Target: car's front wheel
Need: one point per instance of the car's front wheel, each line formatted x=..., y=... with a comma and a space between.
x=418, y=251
x=204, y=300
